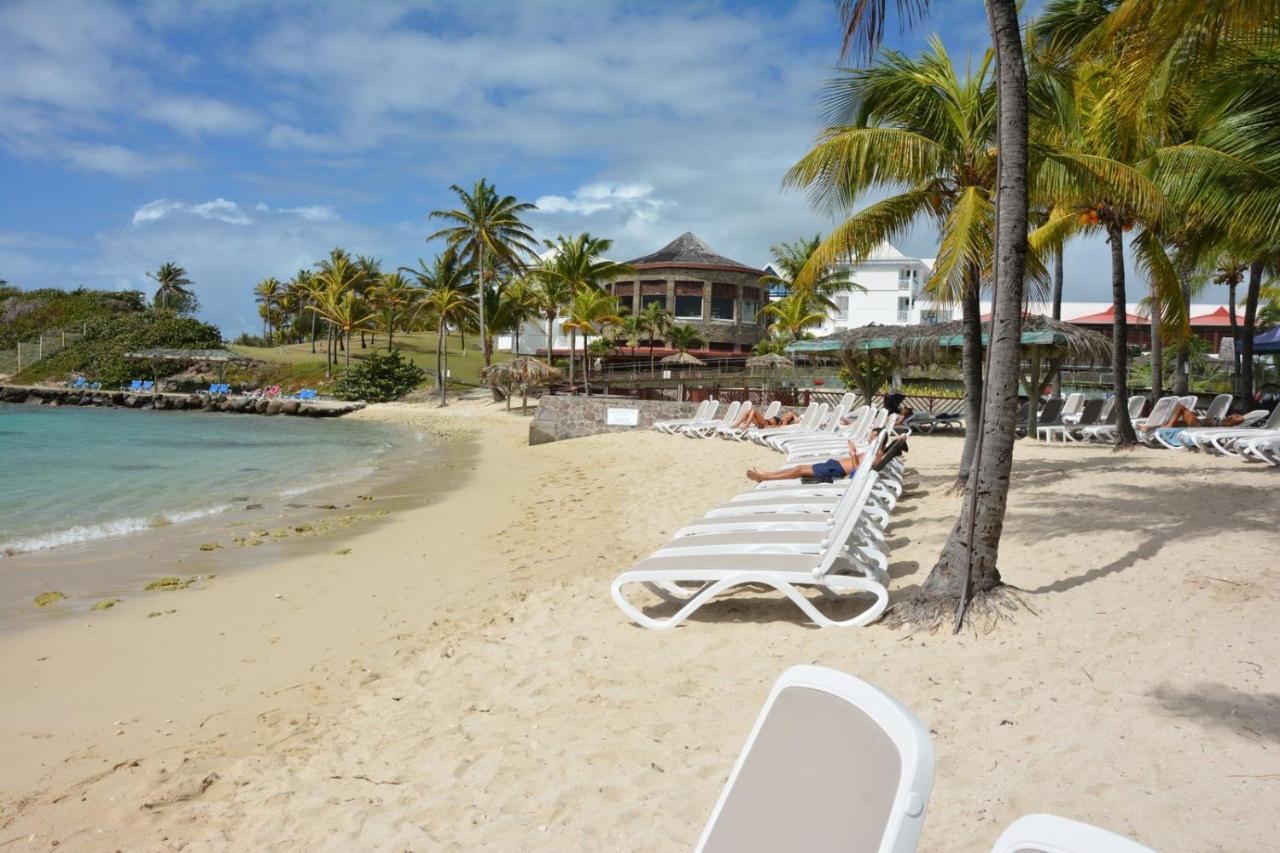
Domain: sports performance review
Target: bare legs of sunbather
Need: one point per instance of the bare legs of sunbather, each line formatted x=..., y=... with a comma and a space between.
x=1184, y=417
x=753, y=418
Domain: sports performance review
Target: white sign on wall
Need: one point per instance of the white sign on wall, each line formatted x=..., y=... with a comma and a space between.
x=622, y=417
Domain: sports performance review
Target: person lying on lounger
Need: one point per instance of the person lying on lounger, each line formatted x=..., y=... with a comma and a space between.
x=1183, y=417
x=832, y=469
x=752, y=418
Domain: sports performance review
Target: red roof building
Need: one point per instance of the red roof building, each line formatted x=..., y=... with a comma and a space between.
x=1137, y=329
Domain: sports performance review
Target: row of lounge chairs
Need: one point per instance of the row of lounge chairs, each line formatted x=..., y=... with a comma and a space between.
x=82, y=384
x=833, y=763
x=140, y=385
x=790, y=534
x=1256, y=439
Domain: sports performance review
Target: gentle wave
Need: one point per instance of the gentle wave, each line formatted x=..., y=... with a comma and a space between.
x=347, y=477
x=104, y=530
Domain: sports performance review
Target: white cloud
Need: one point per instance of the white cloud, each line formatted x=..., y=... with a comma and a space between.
x=594, y=198
x=197, y=115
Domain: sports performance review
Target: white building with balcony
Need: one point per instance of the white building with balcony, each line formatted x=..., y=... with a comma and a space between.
x=889, y=293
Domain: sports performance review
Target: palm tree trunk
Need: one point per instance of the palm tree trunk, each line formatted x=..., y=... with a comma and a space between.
x=1057, y=310
x=1157, y=351
x=348, y=364
x=573, y=352
x=1125, y=436
x=967, y=564
x=1235, y=339
x=1250, y=323
x=441, y=352
x=1181, y=375
x=484, y=341
x=550, y=353
x=971, y=367
x=313, y=331
x=586, y=364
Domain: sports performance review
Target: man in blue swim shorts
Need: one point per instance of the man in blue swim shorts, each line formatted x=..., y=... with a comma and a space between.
x=832, y=469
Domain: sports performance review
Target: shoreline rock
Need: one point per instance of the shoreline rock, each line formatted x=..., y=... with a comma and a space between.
x=38, y=395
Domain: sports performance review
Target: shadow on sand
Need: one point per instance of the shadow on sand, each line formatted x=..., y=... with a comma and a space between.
x=1257, y=714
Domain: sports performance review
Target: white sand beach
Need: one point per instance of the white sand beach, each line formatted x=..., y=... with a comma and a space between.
x=461, y=680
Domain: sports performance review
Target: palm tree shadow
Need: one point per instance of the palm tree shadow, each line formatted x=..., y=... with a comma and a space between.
x=1220, y=705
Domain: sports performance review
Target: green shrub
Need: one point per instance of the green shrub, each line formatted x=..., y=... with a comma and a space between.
x=100, y=354
x=24, y=314
x=379, y=378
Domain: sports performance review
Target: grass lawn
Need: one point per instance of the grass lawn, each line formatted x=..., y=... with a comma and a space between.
x=298, y=365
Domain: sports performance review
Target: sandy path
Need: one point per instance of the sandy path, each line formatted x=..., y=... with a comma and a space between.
x=462, y=680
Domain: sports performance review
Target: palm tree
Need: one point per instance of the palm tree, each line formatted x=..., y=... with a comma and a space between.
x=915, y=126
x=267, y=294
x=657, y=322
x=348, y=311
x=487, y=226
x=589, y=312
x=684, y=337
x=172, y=284
x=1231, y=273
x=338, y=275
x=632, y=329
x=790, y=259
x=967, y=564
x=791, y=315
x=550, y=294
x=395, y=298
x=447, y=299
x=578, y=266
x=306, y=294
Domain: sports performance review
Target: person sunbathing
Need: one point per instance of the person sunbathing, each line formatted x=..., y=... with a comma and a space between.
x=832, y=469
x=753, y=418
x=1183, y=417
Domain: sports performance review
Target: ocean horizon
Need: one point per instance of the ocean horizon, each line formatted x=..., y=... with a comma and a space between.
x=75, y=475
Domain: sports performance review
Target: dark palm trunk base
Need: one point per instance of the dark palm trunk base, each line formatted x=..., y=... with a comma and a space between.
x=1125, y=436
x=971, y=366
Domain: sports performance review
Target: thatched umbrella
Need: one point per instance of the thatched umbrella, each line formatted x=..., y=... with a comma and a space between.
x=524, y=372
x=1043, y=339
x=769, y=360
x=683, y=358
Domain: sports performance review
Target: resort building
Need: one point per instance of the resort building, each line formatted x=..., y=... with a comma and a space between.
x=888, y=292
x=718, y=296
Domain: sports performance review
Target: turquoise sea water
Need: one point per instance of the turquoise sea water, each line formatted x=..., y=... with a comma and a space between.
x=72, y=475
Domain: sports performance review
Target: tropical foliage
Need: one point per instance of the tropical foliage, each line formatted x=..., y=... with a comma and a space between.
x=378, y=378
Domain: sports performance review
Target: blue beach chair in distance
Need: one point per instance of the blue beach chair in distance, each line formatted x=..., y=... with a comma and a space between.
x=79, y=383
x=148, y=385
x=96, y=386
x=135, y=385
x=224, y=389
x=213, y=388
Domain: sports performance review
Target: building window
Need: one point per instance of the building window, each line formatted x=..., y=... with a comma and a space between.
x=651, y=292
x=722, y=299
x=842, y=306
x=622, y=291
x=750, y=304
x=718, y=346
x=908, y=278
x=689, y=300
x=904, y=309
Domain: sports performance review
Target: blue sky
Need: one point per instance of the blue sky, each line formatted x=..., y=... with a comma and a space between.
x=243, y=140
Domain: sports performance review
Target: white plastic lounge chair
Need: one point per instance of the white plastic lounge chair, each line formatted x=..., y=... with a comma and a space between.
x=1075, y=432
x=701, y=430
x=1046, y=833
x=1266, y=449
x=717, y=573
x=704, y=412
x=1070, y=413
x=1107, y=431
x=1217, y=409
x=829, y=427
x=808, y=418
x=831, y=764
x=1201, y=438
x=1222, y=441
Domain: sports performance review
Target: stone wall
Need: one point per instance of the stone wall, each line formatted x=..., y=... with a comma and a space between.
x=36, y=395
x=559, y=418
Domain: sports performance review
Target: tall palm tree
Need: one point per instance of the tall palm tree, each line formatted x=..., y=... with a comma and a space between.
x=306, y=295
x=487, y=227
x=1231, y=273
x=447, y=299
x=590, y=312
x=917, y=127
x=550, y=294
x=348, y=311
x=267, y=294
x=578, y=265
x=967, y=565
x=657, y=322
x=172, y=284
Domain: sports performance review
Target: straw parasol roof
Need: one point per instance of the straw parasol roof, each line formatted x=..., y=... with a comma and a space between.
x=522, y=372
x=923, y=344
x=683, y=358
x=770, y=360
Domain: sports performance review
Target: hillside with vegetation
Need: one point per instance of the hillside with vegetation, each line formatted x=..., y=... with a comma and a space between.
x=26, y=314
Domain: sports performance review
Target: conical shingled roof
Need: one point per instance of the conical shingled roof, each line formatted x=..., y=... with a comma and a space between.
x=689, y=250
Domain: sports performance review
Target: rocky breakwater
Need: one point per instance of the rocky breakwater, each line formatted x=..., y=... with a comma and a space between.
x=166, y=401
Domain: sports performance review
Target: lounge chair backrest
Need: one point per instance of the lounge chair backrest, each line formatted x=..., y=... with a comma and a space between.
x=731, y=413
x=831, y=763
x=881, y=417
x=1108, y=406
x=862, y=481
x=848, y=401
x=1073, y=406
x=832, y=423
x=701, y=412
x=1092, y=412
x=1136, y=404
x=1045, y=833
x=772, y=410
x=1218, y=408
x=1052, y=409
x=1161, y=411
x=1273, y=422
